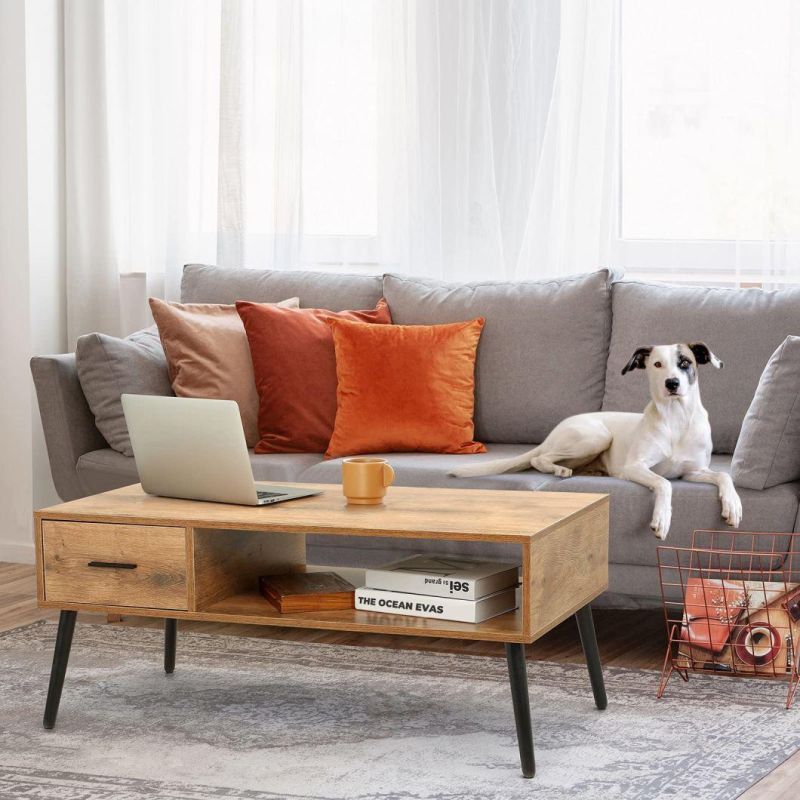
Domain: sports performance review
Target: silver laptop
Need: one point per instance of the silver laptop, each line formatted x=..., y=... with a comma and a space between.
x=196, y=449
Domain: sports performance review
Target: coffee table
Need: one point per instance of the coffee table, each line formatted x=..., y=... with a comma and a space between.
x=125, y=552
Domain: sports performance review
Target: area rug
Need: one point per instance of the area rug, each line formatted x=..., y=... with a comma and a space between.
x=261, y=719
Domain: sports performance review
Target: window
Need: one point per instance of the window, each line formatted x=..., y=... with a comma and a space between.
x=709, y=138
x=339, y=139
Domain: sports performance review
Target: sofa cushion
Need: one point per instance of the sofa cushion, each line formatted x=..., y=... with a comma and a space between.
x=101, y=470
x=768, y=450
x=294, y=363
x=742, y=326
x=375, y=409
x=331, y=290
x=108, y=367
x=430, y=469
x=542, y=353
x=208, y=355
x=695, y=506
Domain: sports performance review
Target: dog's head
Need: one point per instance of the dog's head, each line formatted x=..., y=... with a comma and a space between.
x=672, y=368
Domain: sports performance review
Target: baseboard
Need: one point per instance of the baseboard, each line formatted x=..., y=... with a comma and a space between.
x=16, y=553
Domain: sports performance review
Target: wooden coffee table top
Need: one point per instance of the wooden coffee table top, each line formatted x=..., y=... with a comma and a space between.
x=465, y=514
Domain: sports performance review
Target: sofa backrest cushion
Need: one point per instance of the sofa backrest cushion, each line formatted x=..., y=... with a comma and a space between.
x=543, y=351
x=330, y=290
x=742, y=326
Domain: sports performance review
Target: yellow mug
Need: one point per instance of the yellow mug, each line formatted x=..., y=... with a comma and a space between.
x=364, y=480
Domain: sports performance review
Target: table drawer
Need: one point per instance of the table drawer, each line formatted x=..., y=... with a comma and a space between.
x=119, y=565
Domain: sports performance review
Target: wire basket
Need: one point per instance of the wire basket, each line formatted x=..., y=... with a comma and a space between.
x=732, y=606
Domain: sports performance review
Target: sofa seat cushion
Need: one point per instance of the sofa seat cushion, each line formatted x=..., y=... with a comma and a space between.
x=430, y=470
x=742, y=326
x=695, y=506
x=543, y=351
x=101, y=470
x=335, y=291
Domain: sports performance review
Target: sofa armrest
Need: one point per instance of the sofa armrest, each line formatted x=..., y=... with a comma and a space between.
x=67, y=420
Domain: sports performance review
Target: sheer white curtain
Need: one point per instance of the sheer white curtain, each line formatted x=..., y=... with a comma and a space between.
x=142, y=127
x=497, y=138
x=464, y=139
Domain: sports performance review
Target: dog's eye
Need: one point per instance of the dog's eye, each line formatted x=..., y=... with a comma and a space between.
x=657, y=365
x=684, y=364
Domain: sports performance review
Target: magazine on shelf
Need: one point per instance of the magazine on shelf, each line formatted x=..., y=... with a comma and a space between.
x=418, y=605
x=444, y=576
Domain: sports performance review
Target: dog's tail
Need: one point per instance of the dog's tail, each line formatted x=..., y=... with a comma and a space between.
x=496, y=467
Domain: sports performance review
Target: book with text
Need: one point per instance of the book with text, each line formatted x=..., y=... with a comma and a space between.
x=444, y=576
x=417, y=605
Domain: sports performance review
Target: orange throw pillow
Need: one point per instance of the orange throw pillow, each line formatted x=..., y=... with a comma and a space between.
x=295, y=372
x=405, y=388
x=207, y=355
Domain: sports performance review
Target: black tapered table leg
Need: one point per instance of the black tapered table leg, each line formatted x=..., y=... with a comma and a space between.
x=518, y=676
x=170, y=643
x=592, y=653
x=66, y=627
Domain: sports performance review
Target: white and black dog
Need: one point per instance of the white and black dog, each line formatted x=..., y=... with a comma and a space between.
x=671, y=439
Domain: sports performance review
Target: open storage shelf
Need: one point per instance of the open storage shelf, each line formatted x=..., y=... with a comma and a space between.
x=252, y=608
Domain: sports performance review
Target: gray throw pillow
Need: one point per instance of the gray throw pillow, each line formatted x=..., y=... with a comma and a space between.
x=109, y=367
x=768, y=450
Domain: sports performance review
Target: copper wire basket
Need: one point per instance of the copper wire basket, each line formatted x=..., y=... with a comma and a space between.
x=732, y=606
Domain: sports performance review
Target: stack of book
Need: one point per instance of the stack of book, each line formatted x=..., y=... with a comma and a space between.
x=441, y=587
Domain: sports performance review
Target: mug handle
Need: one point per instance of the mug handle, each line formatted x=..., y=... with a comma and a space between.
x=388, y=475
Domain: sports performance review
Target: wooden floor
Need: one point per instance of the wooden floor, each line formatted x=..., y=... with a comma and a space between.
x=633, y=639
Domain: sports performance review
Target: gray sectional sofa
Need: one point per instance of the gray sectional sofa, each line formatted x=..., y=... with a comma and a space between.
x=549, y=349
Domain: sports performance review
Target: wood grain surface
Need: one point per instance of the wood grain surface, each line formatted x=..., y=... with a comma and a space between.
x=465, y=514
x=157, y=579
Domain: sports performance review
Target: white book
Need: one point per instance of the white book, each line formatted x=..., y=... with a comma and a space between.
x=417, y=605
x=444, y=576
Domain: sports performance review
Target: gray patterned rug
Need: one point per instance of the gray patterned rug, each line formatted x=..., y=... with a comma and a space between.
x=260, y=719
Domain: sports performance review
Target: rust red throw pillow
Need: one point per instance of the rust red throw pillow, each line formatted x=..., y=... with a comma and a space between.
x=295, y=372
x=405, y=388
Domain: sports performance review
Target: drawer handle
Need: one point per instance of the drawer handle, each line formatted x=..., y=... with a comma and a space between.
x=111, y=565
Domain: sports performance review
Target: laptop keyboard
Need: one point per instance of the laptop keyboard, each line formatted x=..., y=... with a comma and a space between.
x=262, y=495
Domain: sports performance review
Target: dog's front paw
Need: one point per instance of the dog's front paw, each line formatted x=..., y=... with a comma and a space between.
x=662, y=518
x=562, y=472
x=732, y=509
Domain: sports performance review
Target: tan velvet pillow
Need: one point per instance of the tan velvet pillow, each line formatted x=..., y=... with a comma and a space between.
x=208, y=355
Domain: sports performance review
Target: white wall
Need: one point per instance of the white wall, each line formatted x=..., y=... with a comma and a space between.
x=31, y=252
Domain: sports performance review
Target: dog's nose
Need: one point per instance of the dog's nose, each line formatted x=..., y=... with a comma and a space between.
x=672, y=384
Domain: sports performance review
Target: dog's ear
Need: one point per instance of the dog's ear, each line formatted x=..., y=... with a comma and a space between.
x=638, y=359
x=702, y=355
